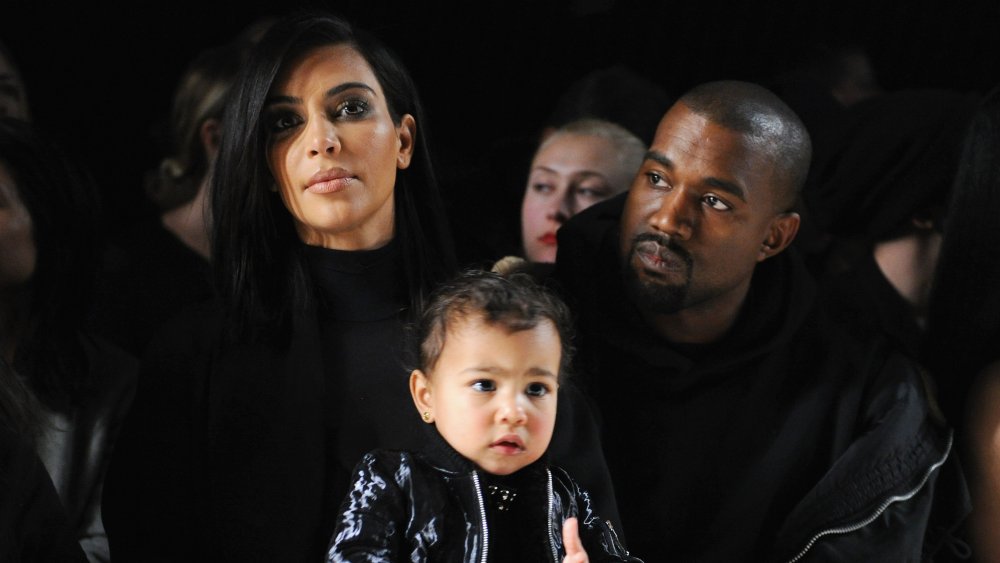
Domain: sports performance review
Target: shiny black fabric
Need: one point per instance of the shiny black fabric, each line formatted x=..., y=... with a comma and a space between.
x=432, y=506
x=34, y=524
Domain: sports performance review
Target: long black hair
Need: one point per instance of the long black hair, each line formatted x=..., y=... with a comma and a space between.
x=259, y=271
x=964, y=310
x=63, y=203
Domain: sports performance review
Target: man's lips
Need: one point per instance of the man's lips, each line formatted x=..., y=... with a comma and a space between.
x=328, y=181
x=659, y=258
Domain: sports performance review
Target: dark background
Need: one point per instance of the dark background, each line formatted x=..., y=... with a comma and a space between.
x=100, y=78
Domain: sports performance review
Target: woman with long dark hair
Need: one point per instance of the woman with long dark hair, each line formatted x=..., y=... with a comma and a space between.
x=327, y=231
x=81, y=383
x=964, y=322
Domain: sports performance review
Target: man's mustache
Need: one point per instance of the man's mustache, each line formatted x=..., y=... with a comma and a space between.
x=665, y=243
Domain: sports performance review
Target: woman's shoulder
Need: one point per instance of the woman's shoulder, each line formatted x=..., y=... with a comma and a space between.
x=193, y=328
x=32, y=518
x=114, y=367
x=179, y=355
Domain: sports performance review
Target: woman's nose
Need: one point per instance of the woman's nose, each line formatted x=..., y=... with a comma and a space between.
x=562, y=208
x=324, y=139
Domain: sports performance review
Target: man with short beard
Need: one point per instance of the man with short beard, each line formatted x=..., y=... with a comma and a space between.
x=740, y=422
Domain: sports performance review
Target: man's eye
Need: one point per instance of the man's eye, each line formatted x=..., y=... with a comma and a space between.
x=484, y=385
x=537, y=390
x=654, y=178
x=716, y=203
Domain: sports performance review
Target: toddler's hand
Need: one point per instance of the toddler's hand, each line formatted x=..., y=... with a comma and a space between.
x=571, y=539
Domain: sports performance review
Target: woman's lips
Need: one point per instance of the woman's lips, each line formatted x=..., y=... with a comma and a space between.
x=329, y=181
x=548, y=239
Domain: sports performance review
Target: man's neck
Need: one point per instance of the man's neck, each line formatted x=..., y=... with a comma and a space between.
x=702, y=323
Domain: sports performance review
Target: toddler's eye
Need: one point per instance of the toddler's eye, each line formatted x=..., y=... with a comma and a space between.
x=537, y=390
x=484, y=385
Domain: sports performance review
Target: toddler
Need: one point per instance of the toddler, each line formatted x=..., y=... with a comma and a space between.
x=492, y=352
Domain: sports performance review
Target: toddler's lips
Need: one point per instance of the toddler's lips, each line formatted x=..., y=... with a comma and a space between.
x=511, y=444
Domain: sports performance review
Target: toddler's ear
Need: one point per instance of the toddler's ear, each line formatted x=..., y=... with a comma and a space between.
x=420, y=390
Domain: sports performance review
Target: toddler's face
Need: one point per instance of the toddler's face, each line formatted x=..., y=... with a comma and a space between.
x=492, y=392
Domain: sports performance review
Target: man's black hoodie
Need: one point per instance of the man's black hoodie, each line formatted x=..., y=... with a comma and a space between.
x=791, y=437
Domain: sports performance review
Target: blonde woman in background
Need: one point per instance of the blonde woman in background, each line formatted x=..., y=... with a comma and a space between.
x=577, y=165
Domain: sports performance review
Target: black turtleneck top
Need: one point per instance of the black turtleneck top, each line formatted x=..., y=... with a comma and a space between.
x=361, y=314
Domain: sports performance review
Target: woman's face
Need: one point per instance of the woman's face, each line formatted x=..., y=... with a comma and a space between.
x=13, y=101
x=569, y=173
x=334, y=149
x=17, y=244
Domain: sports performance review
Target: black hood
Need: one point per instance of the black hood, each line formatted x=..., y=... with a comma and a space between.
x=588, y=270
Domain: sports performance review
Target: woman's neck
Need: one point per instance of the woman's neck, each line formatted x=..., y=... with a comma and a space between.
x=908, y=264
x=189, y=222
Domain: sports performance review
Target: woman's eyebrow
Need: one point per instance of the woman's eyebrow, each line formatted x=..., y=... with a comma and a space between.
x=282, y=99
x=348, y=86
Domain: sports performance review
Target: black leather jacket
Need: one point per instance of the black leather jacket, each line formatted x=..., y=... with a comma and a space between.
x=432, y=506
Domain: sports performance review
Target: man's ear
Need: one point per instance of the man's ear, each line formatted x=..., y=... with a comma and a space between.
x=420, y=390
x=780, y=234
x=407, y=132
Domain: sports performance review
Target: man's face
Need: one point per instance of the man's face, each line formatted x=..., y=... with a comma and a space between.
x=700, y=214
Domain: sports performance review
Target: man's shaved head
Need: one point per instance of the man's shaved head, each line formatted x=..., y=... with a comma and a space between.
x=767, y=122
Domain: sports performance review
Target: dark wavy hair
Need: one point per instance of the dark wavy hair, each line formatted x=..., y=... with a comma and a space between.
x=19, y=409
x=963, y=325
x=63, y=203
x=259, y=270
x=513, y=301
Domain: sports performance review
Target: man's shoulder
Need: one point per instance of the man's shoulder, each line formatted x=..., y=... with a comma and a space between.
x=880, y=485
x=591, y=225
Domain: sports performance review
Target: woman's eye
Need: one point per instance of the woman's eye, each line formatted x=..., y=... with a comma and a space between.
x=352, y=108
x=282, y=122
x=542, y=188
x=716, y=203
x=484, y=385
x=593, y=193
x=537, y=390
